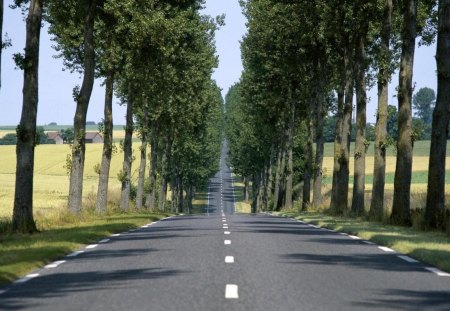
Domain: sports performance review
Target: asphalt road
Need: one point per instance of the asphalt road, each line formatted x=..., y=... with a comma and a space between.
x=224, y=261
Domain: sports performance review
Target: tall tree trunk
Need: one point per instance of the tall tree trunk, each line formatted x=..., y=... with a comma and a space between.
x=189, y=198
x=306, y=198
x=377, y=209
x=23, y=220
x=290, y=158
x=320, y=114
x=127, y=154
x=164, y=165
x=360, y=144
x=269, y=183
x=337, y=147
x=435, y=208
x=180, y=194
x=102, y=193
x=82, y=100
x=174, y=194
x=255, y=187
x=278, y=176
x=246, y=189
x=341, y=203
x=401, y=214
x=150, y=202
x=142, y=167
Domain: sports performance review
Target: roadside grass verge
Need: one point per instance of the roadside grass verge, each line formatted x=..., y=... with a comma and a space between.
x=429, y=247
x=22, y=253
x=200, y=203
x=241, y=205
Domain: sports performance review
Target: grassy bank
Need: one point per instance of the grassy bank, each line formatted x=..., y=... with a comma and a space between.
x=21, y=254
x=430, y=247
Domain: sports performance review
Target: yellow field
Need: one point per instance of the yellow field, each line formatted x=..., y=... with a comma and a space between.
x=51, y=182
x=419, y=164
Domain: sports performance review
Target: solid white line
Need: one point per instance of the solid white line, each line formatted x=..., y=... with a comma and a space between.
x=227, y=242
x=115, y=235
x=229, y=259
x=91, y=246
x=227, y=232
x=74, y=254
x=144, y=226
x=437, y=271
x=342, y=233
x=231, y=291
x=408, y=259
x=386, y=249
x=105, y=241
x=54, y=264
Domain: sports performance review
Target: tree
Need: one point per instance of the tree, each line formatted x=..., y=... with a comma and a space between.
x=9, y=139
x=423, y=103
x=23, y=220
x=67, y=135
x=435, y=208
x=402, y=184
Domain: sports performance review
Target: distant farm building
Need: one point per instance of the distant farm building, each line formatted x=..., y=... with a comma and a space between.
x=93, y=138
x=56, y=137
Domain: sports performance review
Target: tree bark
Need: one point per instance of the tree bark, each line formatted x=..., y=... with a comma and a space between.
x=127, y=154
x=142, y=167
x=278, y=176
x=82, y=100
x=377, y=208
x=360, y=144
x=245, y=189
x=150, y=202
x=435, y=208
x=23, y=220
x=320, y=114
x=290, y=159
x=180, y=194
x=102, y=193
x=401, y=214
x=164, y=164
x=174, y=194
x=306, y=198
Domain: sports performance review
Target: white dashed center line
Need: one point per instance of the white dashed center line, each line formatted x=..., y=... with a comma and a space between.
x=227, y=242
x=227, y=232
x=229, y=259
x=231, y=291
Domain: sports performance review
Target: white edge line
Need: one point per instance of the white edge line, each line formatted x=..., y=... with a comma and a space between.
x=54, y=264
x=104, y=241
x=231, y=291
x=91, y=246
x=354, y=237
x=74, y=254
x=386, y=249
x=26, y=278
x=437, y=271
x=115, y=235
x=3, y=291
x=368, y=242
x=407, y=258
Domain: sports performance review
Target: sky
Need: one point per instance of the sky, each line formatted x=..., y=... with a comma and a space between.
x=55, y=85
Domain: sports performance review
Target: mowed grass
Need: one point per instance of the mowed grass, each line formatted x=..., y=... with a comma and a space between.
x=241, y=205
x=51, y=182
x=429, y=247
x=21, y=254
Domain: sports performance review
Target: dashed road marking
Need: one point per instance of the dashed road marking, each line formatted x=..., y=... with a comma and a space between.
x=437, y=271
x=355, y=237
x=229, y=259
x=224, y=220
x=227, y=232
x=104, y=241
x=3, y=291
x=407, y=258
x=227, y=242
x=26, y=278
x=116, y=235
x=386, y=249
x=368, y=242
x=74, y=254
x=231, y=291
x=91, y=246
x=54, y=264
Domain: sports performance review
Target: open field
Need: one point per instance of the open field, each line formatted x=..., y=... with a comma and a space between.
x=51, y=182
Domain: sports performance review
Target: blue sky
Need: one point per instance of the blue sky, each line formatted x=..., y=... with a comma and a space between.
x=55, y=86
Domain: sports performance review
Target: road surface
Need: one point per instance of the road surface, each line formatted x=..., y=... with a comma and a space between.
x=225, y=261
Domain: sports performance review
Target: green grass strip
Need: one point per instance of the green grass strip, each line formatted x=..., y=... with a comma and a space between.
x=429, y=247
x=23, y=253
